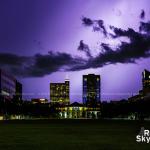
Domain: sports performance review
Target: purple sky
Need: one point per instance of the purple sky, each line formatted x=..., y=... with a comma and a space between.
x=29, y=27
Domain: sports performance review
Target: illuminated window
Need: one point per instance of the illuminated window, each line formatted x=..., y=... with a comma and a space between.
x=65, y=114
x=80, y=108
x=85, y=79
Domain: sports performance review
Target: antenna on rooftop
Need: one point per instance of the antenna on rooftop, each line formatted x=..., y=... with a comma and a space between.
x=66, y=77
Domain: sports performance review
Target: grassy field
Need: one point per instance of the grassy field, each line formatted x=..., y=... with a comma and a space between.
x=71, y=135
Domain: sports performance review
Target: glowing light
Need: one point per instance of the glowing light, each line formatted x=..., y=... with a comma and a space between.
x=5, y=93
x=65, y=114
x=80, y=108
x=1, y=117
x=42, y=99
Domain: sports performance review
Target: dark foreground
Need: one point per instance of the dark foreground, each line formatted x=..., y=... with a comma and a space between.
x=71, y=135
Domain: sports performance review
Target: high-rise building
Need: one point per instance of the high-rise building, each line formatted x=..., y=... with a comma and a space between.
x=18, y=94
x=145, y=87
x=146, y=82
x=91, y=89
x=59, y=92
x=9, y=86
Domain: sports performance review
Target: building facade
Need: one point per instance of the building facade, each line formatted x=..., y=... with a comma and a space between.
x=59, y=93
x=146, y=82
x=9, y=86
x=78, y=111
x=18, y=93
x=145, y=87
x=91, y=89
x=39, y=101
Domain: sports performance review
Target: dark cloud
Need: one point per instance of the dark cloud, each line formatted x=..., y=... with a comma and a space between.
x=15, y=64
x=98, y=25
x=87, y=21
x=85, y=48
x=105, y=47
x=118, y=32
x=12, y=59
x=38, y=65
x=142, y=15
x=127, y=52
x=145, y=27
x=138, y=47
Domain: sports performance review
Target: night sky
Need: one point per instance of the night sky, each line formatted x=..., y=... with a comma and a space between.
x=43, y=41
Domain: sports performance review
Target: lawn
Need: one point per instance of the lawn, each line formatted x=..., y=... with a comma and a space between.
x=71, y=135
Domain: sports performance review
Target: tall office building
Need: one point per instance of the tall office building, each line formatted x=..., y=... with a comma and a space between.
x=91, y=89
x=145, y=87
x=146, y=82
x=59, y=92
x=18, y=93
x=9, y=86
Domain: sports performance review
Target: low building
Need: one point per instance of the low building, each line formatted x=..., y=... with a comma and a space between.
x=77, y=111
x=135, y=97
x=39, y=101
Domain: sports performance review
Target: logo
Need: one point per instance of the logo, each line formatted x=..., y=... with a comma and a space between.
x=143, y=136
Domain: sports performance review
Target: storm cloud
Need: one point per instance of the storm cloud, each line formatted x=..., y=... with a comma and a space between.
x=145, y=27
x=142, y=15
x=85, y=48
x=139, y=47
x=97, y=25
x=40, y=65
x=126, y=52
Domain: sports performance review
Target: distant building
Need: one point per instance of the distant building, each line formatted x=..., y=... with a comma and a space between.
x=77, y=110
x=59, y=93
x=39, y=101
x=146, y=82
x=9, y=86
x=135, y=97
x=145, y=87
x=91, y=89
x=18, y=93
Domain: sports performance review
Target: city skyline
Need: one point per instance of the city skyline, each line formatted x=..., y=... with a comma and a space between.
x=59, y=92
x=42, y=43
